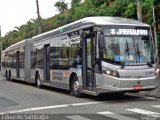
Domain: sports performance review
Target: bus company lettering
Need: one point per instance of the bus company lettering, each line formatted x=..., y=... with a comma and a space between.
x=129, y=32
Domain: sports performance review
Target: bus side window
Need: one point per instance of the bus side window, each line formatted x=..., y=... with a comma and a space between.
x=75, y=55
x=33, y=57
x=64, y=56
x=54, y=57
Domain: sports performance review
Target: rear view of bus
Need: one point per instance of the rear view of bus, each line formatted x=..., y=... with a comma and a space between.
x=128, y=58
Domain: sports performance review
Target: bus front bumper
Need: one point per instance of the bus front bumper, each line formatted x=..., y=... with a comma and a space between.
x=127, y=85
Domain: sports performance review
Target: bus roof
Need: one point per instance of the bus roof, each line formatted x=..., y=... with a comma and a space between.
x=83, y=23
x=18, y=44
x=90, y=21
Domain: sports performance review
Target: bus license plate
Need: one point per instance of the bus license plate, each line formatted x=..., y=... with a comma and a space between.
x=137, y=87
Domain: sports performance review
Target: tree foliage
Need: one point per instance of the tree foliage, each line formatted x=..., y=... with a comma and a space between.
x=78, y=10
x=74, y=3
x=61, y=6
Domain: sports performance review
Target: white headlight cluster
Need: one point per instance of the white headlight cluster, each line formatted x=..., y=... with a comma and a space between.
x=111, y=73
x=157, y=71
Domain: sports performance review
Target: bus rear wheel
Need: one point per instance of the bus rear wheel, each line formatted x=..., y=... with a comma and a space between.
x=75, y=87
x=38, y=82
x=6, y=75
x=9, y=76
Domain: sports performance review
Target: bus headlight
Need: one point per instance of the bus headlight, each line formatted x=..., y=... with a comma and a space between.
x=111, y=73
x=157, y=71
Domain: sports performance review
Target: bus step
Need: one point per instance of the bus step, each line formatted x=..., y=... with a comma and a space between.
x=89, y=92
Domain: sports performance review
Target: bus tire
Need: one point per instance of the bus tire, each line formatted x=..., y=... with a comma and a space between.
x=75, y=87
x=38, y=82
x=9, y=76
x=6, y=75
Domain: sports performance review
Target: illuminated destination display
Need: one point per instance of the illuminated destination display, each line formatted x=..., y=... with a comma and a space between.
x=126, y=31
x=129, y=32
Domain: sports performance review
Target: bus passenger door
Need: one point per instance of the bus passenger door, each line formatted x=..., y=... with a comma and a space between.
x=89, y=81
x=46, y=63
x=17, y=64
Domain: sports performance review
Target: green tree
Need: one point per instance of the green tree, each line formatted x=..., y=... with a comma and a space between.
x=61, y=6
x=157, y=12
x=75, y=3
x=78, y=10
x=130, y=11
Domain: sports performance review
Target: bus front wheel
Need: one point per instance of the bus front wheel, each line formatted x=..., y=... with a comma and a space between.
x=75, y=87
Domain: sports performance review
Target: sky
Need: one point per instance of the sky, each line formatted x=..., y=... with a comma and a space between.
x=14, y=13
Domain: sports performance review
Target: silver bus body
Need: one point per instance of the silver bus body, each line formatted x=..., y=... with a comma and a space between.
x=57, y=56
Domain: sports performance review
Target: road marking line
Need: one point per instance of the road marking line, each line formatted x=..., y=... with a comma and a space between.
x=87, y=103
x=49, y=107
x=77, y=117
x=115, y=116
x=145, y=112
x=36, y=108
x=156, y=106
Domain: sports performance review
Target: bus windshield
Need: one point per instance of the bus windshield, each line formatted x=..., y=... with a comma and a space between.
x=132, y=50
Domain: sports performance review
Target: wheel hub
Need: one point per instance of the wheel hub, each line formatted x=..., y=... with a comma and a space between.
x=76, y=86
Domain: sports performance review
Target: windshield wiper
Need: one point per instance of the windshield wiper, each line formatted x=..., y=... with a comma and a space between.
x=140, y=53
x=126, y=51
x=127, y=48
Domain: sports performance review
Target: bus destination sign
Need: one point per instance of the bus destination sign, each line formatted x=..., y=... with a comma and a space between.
x=143, y=32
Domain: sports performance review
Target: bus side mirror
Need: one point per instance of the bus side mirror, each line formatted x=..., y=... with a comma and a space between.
x=101, y=41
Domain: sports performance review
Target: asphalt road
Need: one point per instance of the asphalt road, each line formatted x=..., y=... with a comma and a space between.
x=19, y=100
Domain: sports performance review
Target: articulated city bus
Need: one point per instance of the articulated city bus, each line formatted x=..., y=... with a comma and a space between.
x=93, y=55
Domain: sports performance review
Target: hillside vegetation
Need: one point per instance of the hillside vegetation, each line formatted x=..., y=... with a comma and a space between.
x=78, y=10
